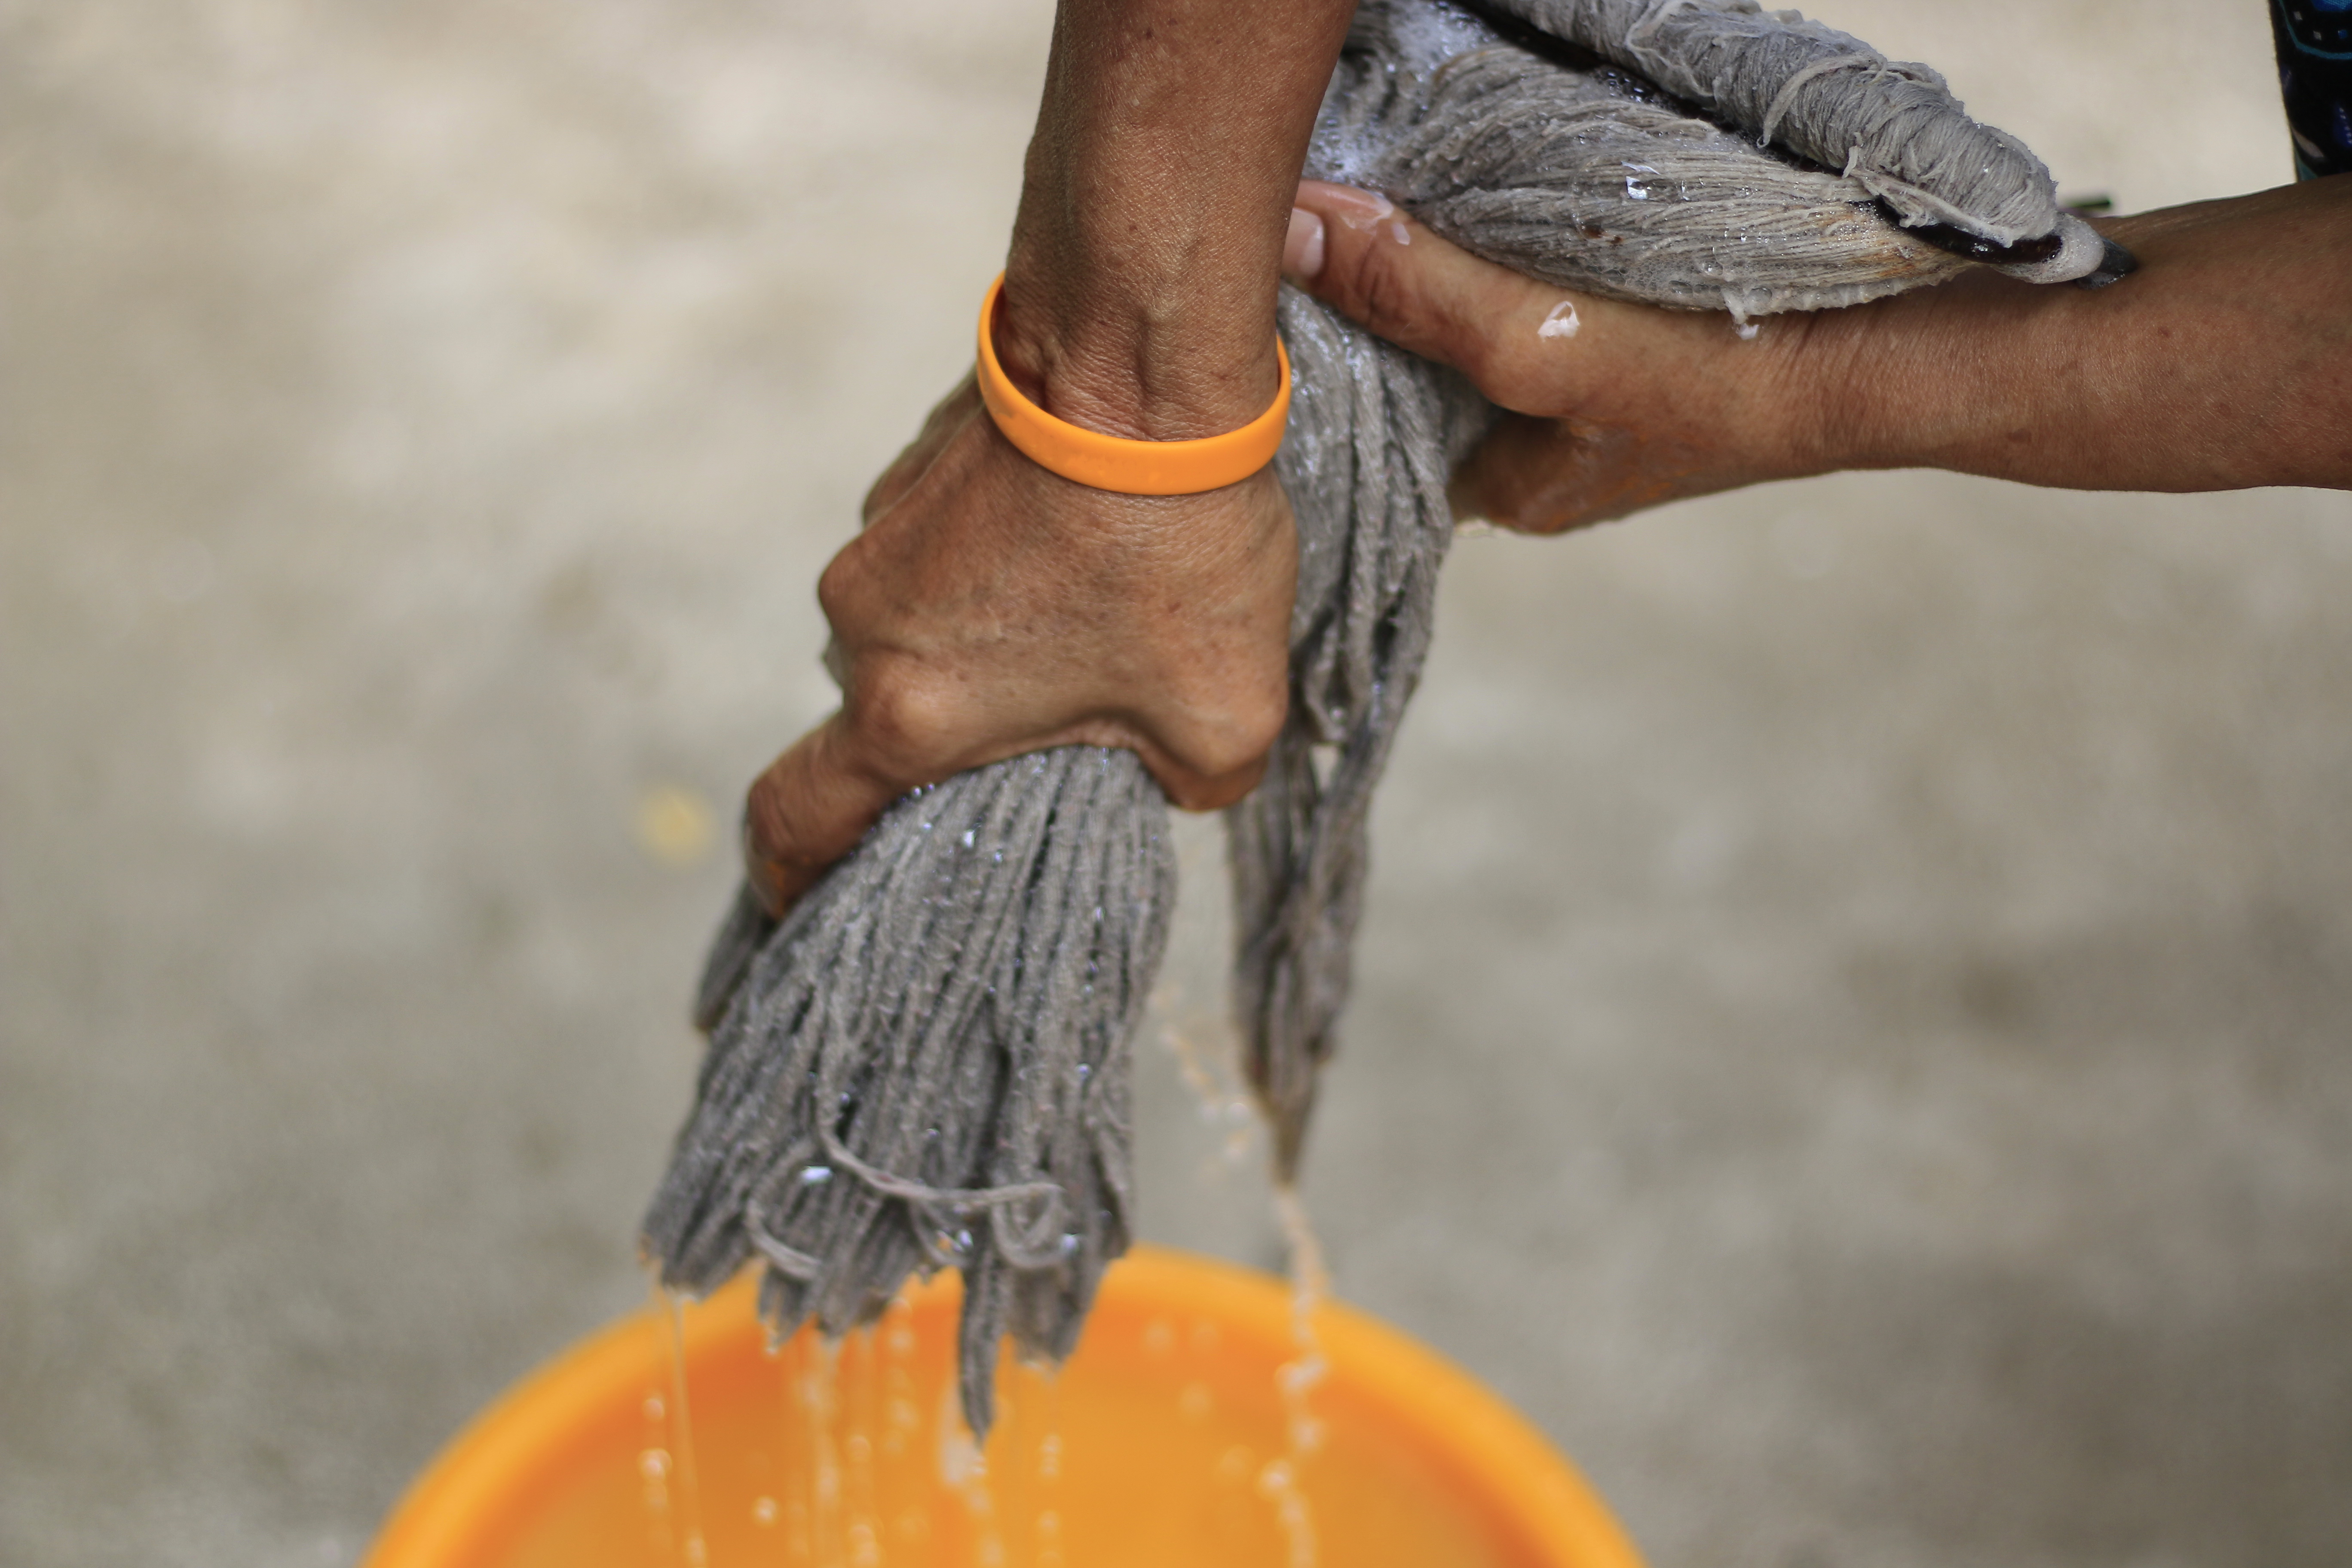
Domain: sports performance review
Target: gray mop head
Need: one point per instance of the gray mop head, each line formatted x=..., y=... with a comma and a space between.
x=926, y=1064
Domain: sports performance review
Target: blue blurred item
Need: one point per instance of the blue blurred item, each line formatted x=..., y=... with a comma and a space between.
x=2314, y=56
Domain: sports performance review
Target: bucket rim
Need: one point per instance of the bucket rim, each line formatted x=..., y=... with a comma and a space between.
x=480, y=1474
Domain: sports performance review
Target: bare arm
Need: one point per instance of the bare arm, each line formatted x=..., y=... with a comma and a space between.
x=2226, y=362
x=2221, y=363
x=1140, y=290
x=989, y=607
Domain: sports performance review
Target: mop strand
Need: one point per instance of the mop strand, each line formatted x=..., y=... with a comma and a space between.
x=925, y=1065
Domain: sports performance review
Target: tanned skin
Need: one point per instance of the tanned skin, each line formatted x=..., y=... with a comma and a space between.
x=989, y=607
x=2225, y=361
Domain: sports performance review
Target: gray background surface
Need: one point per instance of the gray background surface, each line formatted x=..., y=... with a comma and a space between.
x=1852, y=1033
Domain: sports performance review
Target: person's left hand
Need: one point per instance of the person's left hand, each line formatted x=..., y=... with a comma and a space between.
x=1612, y=408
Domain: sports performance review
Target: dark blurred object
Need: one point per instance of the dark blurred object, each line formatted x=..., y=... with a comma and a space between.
x=2315, y=59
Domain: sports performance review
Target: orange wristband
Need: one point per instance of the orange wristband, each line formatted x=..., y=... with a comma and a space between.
x=1111, y=463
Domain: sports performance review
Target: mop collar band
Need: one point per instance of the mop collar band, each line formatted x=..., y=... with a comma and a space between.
x=1112, y=463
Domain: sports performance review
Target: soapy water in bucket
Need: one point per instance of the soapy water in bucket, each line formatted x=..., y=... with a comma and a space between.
x=1207, y=1415
x=869, y=1462
x=1206, y=1058
x=863, y=1459
x=673, y=1489
x=866, y=1456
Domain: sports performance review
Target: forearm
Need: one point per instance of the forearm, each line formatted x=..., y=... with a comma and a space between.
x=1140, y=288
x=2225, y=361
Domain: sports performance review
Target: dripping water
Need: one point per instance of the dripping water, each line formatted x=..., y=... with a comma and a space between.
x=818, y=1392
x=861, y=1530
x=903, y=1501
x=963, y=1469
x=673, y=1488
x=1283, y=1481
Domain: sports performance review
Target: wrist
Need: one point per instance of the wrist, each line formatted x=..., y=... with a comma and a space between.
x=1143, y=353
x=1139, y=293
x=1888, y=385
x=1788, y=402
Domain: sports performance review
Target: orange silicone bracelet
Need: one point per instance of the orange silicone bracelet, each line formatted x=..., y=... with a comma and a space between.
x=1111, y=463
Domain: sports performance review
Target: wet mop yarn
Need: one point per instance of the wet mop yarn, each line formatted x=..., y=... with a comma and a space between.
x=925, y=1065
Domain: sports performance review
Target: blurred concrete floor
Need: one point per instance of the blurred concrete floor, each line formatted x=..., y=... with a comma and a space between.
x=1853, y=1018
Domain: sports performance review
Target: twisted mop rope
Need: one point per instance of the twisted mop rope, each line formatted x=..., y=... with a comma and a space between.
x=926, y=1065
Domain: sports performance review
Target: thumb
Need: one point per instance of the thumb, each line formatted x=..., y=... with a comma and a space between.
x=807, y=810
x=1362, y=255
x=1531, y=347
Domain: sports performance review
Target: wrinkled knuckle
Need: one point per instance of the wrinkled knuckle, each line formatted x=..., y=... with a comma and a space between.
x=1357, y=274
x=840, y=587
x=1215, y=793
x=900, y=722
x=1236, y=785
x=772, y=809
x=764, y=811
x=1384, y=298
x=1235, y=741
x=836, y=587
x=1260, y=724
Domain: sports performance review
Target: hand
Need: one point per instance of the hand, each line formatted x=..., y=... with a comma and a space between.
x=1612, y=408
x=991, y=608
x=2219, y=364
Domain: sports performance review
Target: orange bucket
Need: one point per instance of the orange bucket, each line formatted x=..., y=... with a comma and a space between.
x=1167, y=1439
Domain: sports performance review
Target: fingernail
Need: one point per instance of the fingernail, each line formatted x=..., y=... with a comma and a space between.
x=1302, y=248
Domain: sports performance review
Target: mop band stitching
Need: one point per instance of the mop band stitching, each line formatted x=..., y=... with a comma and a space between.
x=1111, y=462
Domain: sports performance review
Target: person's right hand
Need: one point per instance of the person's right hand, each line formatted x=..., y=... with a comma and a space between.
x=992, y=608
